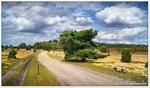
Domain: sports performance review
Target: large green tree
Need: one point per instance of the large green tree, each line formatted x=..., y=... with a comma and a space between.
x=73, y=41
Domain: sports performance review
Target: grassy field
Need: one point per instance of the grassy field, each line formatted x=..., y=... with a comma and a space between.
x=135, y=70
x=9, y=82
x=7, y=64
x=44, y=78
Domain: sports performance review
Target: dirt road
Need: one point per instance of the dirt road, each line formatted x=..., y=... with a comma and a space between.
x=72, y=75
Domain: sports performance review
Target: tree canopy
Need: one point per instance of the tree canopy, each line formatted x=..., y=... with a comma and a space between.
x=22, y=45
x=77, y=41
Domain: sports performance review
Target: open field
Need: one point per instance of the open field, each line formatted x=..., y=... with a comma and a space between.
x=10, y=80
x=135, y=70
x=137, y=64
x=7, y=64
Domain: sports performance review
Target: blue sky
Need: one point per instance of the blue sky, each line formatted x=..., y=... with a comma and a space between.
x=116, y=22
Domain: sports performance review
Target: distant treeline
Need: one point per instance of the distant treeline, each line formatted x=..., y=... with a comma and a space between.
x=55, y=46
x=135, y=47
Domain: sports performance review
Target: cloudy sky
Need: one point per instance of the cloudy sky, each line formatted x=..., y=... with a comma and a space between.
x=116, y=22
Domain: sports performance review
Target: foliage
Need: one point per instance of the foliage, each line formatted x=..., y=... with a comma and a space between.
x=126, y=56
x=48, y=45
x=104, y=49
x=22, y=45
x=12, y=54
x=146, y=65
x=29, y=47
x=134, y=47
x=74, y=43
x=88, y=53
x=34, y=50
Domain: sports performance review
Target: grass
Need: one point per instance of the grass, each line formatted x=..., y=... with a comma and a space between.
x=101, y=66
x=128, y=76
x=44, y=78
x=8, y=64
x=9, y=82
x=56, y=54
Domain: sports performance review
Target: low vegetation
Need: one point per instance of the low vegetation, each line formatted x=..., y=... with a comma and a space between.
x=44, y=78
x=136, y=70
x=7, y=63
x=12, y=54
x=126, y=56
x=9, y=82
x=104, y=49
x=146, y=65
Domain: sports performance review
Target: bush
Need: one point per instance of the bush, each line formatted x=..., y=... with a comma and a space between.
x=96, y=56
x=104, y=49
x=34, y=50
x=88, y=53
x=126, y=56
x=146, y=65
x=12, y=54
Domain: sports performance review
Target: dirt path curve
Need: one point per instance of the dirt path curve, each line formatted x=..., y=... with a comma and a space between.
x=69, y=74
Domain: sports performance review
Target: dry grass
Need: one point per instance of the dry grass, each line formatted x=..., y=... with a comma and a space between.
x=57, y=54
x=21, y=53
x=137, y=64
x=7, y=64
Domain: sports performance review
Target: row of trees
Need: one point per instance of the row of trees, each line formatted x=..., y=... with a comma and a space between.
x=134, y=47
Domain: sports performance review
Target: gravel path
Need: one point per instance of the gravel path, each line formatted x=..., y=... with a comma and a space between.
x=71, y=75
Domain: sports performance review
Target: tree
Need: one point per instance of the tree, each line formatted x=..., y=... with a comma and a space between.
x=12, y=54
x=126, y=56
x=73, y=42
x=11, y=47
x=146, y=65
x=28, y=47
x=104, y=49
x=22, y=45
x=6, y=47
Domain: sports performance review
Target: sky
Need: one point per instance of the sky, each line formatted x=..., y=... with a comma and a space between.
x=116, y=22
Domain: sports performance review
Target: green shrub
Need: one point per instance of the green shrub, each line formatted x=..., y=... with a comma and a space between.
x=88, y=53
x=104, y=49
x=12, y=54
x=146, y=65
x=34, y=50
x=126, y=56
x=85, y=53
x=96, y=56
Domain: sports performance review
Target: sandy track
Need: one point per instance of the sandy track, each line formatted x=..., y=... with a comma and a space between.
x=72, y=75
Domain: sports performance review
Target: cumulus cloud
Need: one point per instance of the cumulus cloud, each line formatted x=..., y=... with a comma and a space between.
x=24, y=20
x=19, y=23
x=84, y=21
x=121, y=14
x=130, y=31
x=122, y=36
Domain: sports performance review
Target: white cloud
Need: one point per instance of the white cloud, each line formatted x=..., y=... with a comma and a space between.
x=124, y=42
x=84, y=21
x=120, y=36
x=122, y=14
x=61, y=23
x=104, y=35
x=19, y=23
x=130, y=31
